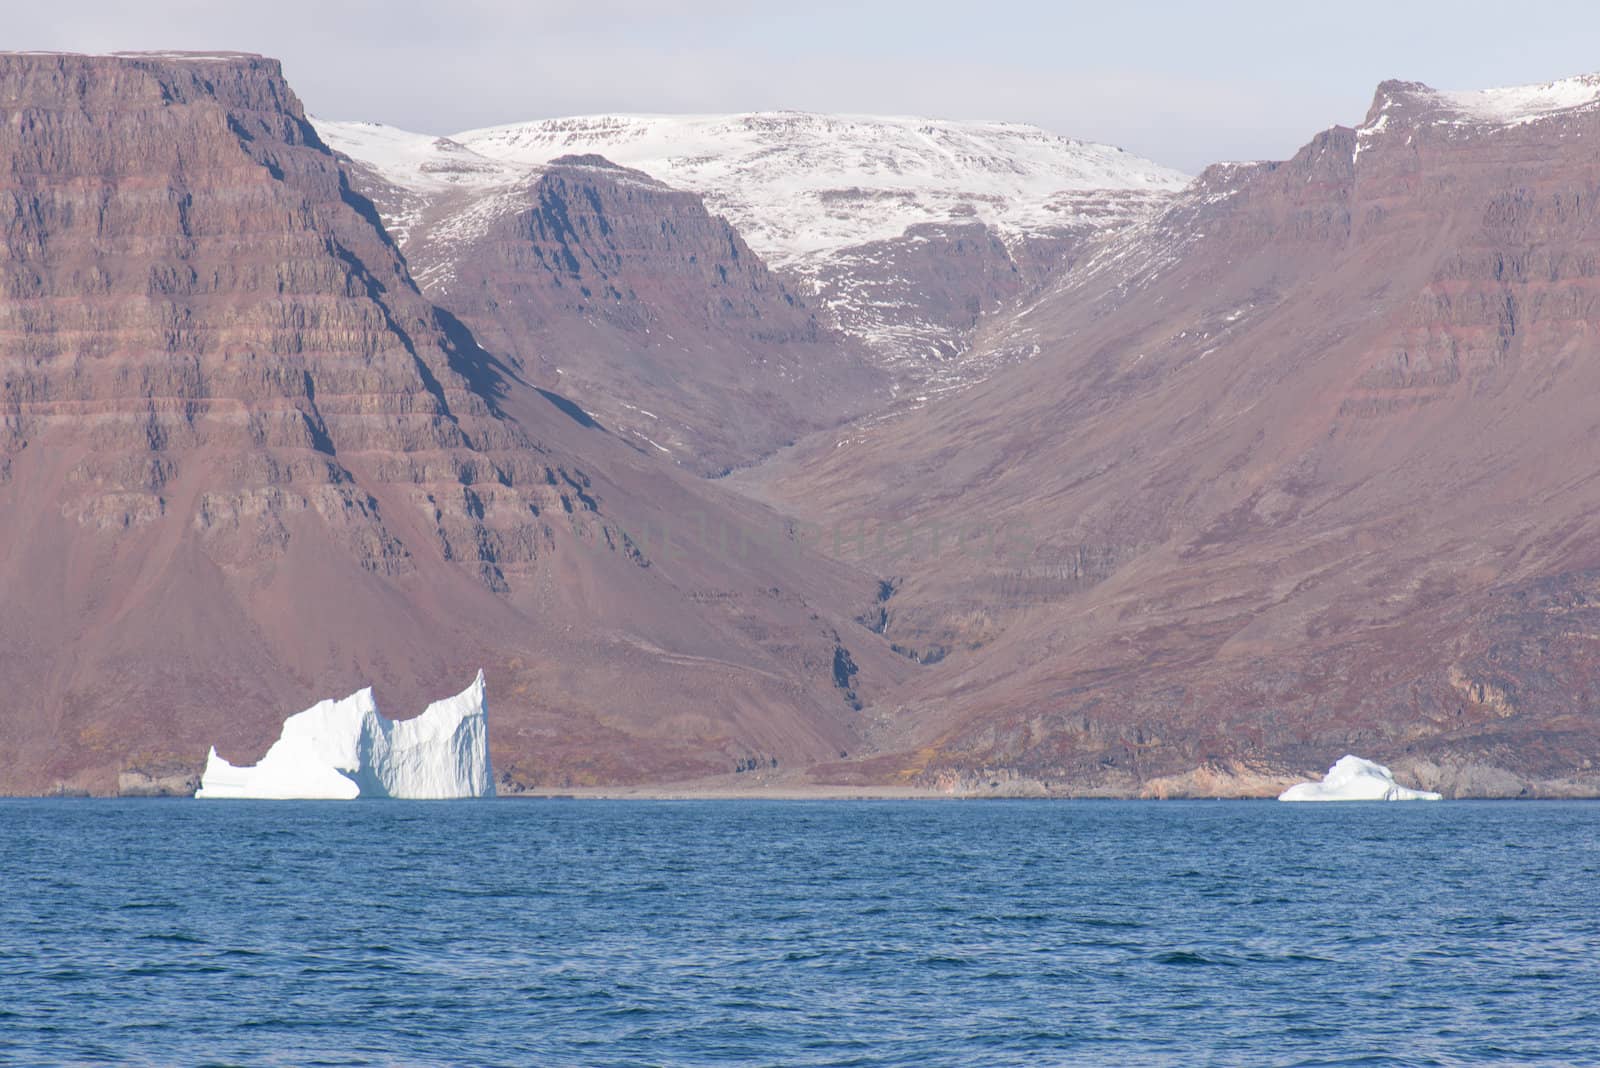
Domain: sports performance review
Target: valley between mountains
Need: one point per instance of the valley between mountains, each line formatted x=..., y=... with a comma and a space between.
x=798, y=453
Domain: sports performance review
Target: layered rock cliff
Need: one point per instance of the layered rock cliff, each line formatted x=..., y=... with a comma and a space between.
x=243, y=461
x=193, y=288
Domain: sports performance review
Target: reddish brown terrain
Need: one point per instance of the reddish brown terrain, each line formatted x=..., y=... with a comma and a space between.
x=904, y=238
x=925, y=302
x=244, y=465
x=1308, y=465
x=635, y=302
x=1304, y=464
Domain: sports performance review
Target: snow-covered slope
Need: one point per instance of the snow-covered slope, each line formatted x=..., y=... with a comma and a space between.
x=1517, y=104
x=1354, y=779
x=421, y=162
x=795, y=184
x=1508, y=106
x=426, y=174
x=339, y=750
x=798, y=184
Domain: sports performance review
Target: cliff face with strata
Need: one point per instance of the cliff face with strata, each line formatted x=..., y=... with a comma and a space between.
x=1300, y=466
x=244, y=464
x=192, y=287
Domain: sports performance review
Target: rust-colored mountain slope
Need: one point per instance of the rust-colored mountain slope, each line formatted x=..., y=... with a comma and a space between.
x=244, y=465
x=632, y=299
x=1307, y=465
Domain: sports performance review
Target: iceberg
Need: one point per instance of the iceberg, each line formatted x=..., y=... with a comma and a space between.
x=340, y=750
x=1354, y=779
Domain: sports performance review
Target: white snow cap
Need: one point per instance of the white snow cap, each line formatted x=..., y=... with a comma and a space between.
x=1514, y=105
x=421, y=163
x=797, y=185
x=1354, y=779
x=339, y=750
x=1519, y=104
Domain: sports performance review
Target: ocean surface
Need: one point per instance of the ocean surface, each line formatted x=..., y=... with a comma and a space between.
x=798, y=933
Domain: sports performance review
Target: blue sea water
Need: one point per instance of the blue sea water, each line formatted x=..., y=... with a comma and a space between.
x=827, y=933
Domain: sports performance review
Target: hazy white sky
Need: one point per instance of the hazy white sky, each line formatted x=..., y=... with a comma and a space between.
x=1184, y=83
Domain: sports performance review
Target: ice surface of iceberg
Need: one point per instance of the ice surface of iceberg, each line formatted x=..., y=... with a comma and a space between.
x=345, y=749
x=1354, y=779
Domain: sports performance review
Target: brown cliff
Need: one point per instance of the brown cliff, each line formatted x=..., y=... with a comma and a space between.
x=245, y=465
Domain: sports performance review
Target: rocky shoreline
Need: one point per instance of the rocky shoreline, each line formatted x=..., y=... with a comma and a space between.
x=1456, y=781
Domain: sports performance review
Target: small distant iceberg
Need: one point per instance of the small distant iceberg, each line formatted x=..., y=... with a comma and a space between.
x=1354, y=779
x=341, y=750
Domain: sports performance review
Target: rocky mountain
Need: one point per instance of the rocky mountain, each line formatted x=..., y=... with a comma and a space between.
x=620, y=292
x=904, y=232
x=244, y=465
x=800, y=186
x=1297, y=461
x=1304, y=466
x=630, y=297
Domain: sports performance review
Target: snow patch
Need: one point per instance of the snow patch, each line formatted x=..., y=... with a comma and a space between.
x=1354, y=779
x=421, y=163
x=821, y=197
x=1520, y=104
x=339, y=750
x=1514, y=105
x=798, y=184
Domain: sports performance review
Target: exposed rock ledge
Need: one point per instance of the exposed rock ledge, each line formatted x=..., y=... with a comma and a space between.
x=1251, y=780
x=163, y=780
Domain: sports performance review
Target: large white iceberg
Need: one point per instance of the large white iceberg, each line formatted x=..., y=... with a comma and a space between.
x=344, y=749
x=1354, y=779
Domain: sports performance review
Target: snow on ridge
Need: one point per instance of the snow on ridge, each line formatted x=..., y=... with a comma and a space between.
x=177, y=55
x=218, y=56
x=418, y=162
x=800, y=185
x=1515, y=105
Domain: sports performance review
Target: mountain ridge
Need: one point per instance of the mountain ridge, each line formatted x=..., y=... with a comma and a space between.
x=1287, y=453
x=1298, y=459
x=906, y=234
x=609, y=286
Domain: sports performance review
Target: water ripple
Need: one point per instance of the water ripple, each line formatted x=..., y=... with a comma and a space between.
x=828, y=934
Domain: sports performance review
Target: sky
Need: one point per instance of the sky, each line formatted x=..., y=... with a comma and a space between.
x=1185, y=84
